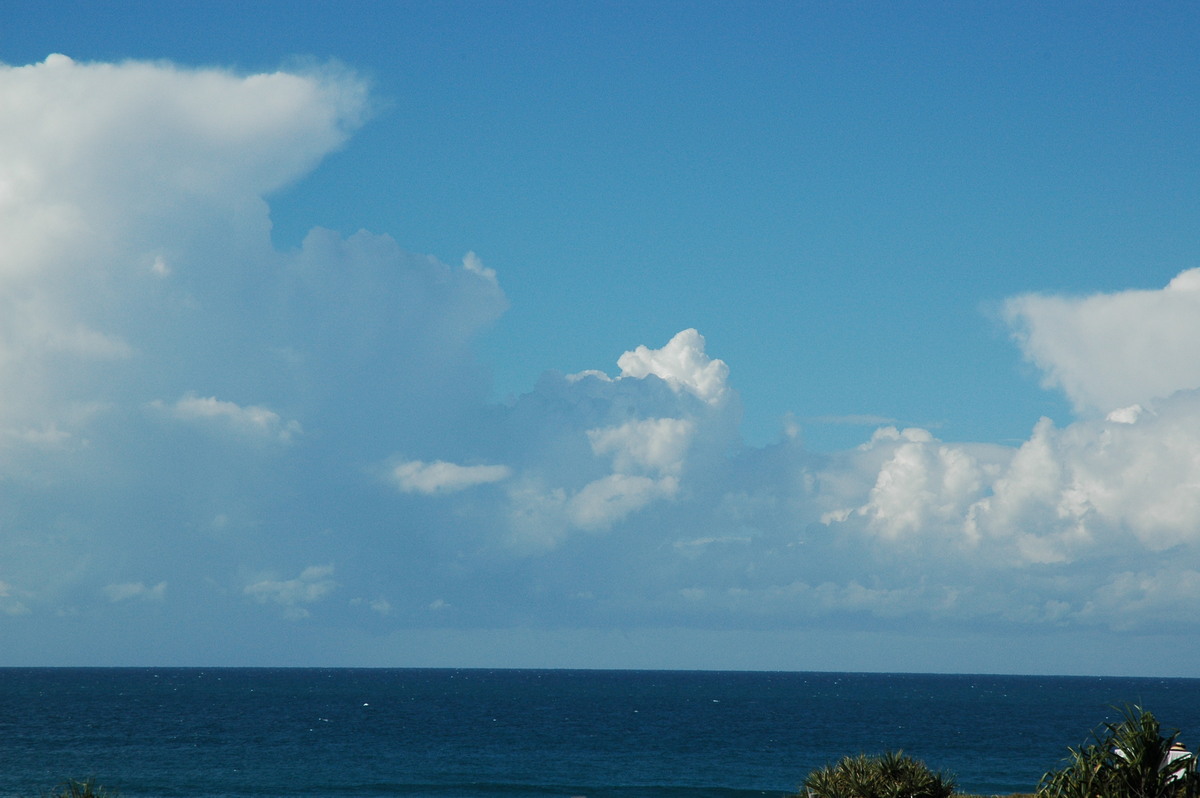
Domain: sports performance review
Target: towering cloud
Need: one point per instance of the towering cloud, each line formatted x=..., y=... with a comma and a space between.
x=169, y=383
x=131, y=209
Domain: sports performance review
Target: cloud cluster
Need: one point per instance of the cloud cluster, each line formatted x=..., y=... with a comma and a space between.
x=1093, y=488
x=182, y=404
x=906, y=525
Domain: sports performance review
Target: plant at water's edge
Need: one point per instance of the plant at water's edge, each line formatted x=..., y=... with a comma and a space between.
x=892, y=775
x=87, y=788
x=1129, y=759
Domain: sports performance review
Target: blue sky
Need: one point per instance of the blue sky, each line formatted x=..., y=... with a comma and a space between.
x=772, y=335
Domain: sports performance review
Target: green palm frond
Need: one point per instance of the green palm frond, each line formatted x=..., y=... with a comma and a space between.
x=86, y=788
x=1128, y=759
x=892, y=775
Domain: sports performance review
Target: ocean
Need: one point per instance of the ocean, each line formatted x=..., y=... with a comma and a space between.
x=416, y=733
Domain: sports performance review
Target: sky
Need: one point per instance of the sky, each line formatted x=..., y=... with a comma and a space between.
x=772, y=336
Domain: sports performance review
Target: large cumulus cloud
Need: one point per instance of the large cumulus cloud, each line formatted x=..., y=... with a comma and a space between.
x=169, y=383
x=132, y=211
x=1108, y=351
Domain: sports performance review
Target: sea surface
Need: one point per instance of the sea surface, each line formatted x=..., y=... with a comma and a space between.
x=413, y=733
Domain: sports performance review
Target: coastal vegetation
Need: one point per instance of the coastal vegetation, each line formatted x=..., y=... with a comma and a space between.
x=1127, y=759
x=1130, y=758
x=891, y=775
x=82, y=788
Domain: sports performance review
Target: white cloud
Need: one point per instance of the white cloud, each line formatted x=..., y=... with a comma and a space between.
x=9, y=603
x=1162, y=599
x=138, y=114
x=1108, y=351
x=48, y=436
x=1125, y=415
x=1102, y=485
x=1070, y=497
x=602, y=503
x=380, y=605
x=923, y=485
x=472, y=263
x=313, y=584
x=540, y=517
x=616, y=446
x=110, y=172
x=537, y=519
x=125, y=591
x=252, y=421
x=654, y=445
x=683, y=364
x=418, y=476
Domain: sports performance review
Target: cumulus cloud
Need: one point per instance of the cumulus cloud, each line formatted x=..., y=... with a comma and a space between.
x=682, y=363
x=1088, y=491
x=541, y=517
x=126, y=591
x=138, y=272
x=380, y=605
x=9, y=603
x=313, y=584
x=601, y=503
x=252, y=421
x=472, y=263
x=924, y=484
x=417, y=476
x=655, y=445
x=1108, y=351
x=108, y=172
x=906, y=525
x=135, y=113
x=602, y=450
x=1139, y=600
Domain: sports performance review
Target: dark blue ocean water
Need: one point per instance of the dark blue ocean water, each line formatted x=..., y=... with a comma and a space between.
x=248, y=733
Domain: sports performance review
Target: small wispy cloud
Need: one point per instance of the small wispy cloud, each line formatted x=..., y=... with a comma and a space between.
x=313, y=584
x=379, y=605
x=251, y=420
x=9, y=603
x=418, y=476
x=128, y=591
x=853, y=420
x=473, y=264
